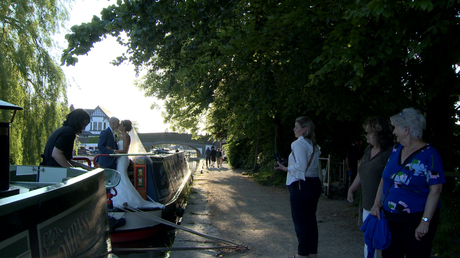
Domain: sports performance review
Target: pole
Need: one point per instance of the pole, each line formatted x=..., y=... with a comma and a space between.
x=4, y=156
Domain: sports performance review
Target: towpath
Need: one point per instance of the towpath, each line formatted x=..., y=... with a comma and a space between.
x=226, y=204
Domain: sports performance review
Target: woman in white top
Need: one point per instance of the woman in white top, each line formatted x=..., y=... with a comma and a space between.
x=304, y=186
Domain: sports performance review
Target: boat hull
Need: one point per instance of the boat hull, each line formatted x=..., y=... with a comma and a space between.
x=137, y=227
x=58, y=220
x=163, y=179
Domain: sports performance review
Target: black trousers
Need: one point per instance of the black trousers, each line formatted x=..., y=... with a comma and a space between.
x=304, y=202
x=403, y=241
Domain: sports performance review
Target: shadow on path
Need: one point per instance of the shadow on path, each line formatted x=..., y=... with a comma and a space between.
x=225, y=204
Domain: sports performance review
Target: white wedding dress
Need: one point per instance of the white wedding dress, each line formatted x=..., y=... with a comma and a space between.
x=126, y=193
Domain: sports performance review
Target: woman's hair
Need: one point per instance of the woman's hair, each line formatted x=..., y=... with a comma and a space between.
x=127, y=124
x=77, y=119
x=310, y=132
x=412, y=118
x=382, y=130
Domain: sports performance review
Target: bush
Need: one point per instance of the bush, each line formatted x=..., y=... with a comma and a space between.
x=446, y=243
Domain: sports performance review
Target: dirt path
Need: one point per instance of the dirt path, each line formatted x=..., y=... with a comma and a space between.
x=226, y=204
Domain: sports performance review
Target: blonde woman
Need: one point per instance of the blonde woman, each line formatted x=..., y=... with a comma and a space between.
x=304, y=186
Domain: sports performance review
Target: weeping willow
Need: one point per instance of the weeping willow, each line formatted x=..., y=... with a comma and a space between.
x=29, y=76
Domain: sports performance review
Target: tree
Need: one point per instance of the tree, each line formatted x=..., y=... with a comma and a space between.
x=29, y=77
x=251, y=67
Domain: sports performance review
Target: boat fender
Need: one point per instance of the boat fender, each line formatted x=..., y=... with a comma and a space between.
x=109, y=197
x=116, y=223
x=180, y=212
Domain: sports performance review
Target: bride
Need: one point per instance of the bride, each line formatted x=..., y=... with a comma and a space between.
x=126, y=193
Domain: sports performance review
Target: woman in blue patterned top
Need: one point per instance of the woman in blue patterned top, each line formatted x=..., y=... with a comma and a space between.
x=410, y=189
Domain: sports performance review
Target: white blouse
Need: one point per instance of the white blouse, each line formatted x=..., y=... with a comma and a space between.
x=302, y=150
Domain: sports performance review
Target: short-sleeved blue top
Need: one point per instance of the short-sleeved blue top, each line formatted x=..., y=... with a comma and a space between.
x=410, y=188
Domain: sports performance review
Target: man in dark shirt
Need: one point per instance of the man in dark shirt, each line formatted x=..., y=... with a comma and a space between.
x=208, y=157
x=59, y=147
x=213, y=156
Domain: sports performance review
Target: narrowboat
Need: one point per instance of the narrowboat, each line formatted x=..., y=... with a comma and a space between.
x=56, y=212
x=48, y=211
x=160, y=178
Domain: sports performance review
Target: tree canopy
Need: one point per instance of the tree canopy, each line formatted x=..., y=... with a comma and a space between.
x=29, y=76
x=249, y=68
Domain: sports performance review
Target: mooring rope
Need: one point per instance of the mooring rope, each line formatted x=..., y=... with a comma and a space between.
x=138, y=212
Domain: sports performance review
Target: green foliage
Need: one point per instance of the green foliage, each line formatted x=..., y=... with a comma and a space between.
x=269, y=177
x=249, y=68
x=93, y=139
x=29, y=77
x=447, y=240
x=238, y=152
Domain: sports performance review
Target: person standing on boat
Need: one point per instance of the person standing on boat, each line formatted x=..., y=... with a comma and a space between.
x=107, y=144
x=59, y=146
x=304, y=186
x=129, y=143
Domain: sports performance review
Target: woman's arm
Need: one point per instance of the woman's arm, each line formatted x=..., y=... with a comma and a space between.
x=302, y=151
x=78, y=164
x=430, y=207
x=378, y=199
x=356, y=183
x=58, y=155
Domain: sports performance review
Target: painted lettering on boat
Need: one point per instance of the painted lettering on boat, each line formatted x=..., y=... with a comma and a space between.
x=70, y=239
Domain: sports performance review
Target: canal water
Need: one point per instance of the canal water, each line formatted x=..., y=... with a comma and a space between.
x=165, y=239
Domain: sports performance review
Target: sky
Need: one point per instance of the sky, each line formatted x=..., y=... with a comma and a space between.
x=94, y=81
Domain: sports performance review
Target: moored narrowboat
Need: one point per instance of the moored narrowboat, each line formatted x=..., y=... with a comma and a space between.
x=51, y=217
x=159, y=178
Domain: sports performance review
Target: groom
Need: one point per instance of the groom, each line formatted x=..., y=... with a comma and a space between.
x=107, y=144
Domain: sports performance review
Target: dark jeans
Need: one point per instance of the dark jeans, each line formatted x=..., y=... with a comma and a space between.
x=403, y=241
x=304, y=202
x=208, y=161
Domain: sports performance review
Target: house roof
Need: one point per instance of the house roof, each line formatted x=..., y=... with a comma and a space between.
x=106, y=112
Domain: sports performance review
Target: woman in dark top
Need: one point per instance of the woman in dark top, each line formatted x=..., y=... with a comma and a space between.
x=59, y=147
x=380, y=139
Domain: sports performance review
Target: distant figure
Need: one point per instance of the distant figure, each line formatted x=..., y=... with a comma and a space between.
x=304, y=186
x=380, y=140
x=107, y=144
x=208, y=157
x=213, y=156
x=219, y=157
x=59, y=147
x=355, y=153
